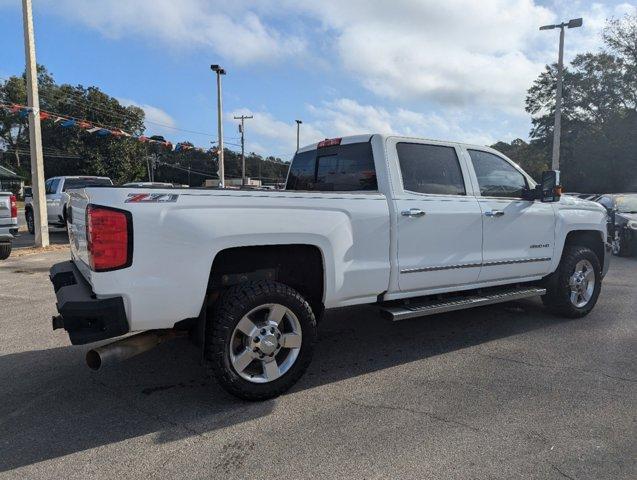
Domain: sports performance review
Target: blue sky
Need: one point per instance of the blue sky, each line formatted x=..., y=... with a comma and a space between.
x=454, y=70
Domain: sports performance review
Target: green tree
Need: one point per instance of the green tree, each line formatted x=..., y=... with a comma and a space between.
x=598, y=146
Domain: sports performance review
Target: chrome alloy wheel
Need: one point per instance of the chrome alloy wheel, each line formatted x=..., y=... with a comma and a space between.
x=265, y=343
x=582, y=283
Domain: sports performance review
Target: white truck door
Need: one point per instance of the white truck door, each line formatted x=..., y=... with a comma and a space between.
x=53, y=199
x=518, y=235
x=439, y=223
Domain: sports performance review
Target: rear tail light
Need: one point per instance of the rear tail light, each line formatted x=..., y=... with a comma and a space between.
x=109, y=237
x=14, y=206
x=329, y=142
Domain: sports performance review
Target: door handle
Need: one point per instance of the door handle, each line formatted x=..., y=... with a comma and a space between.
x=412, y=212
x=494, y=213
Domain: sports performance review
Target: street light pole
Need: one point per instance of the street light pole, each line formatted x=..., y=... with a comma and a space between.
x=220, y=71
x=557, y=128
x=243, y=154
x=35, y=134
x=298, y=133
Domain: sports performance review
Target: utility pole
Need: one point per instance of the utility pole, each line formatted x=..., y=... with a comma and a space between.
x=243, y=153
x=220, y=71
x=35, y=134
x=557, y=128
x=298, y=133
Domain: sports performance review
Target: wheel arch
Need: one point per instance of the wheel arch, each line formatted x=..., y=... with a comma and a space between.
x=593, y=239
x=300, y=266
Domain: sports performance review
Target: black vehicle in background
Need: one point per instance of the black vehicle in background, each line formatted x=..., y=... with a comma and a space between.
x=622, y=221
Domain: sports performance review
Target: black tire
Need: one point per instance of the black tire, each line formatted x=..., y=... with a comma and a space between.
x=28, y=215
x=5, y=250
x=558, y=296
x=625, y=246
x=228, y=312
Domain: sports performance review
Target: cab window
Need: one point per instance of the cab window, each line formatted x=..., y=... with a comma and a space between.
x=51, y=186
x=496, y=176
x=430, y=169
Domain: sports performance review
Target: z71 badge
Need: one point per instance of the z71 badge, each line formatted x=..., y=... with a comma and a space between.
x=151, y=197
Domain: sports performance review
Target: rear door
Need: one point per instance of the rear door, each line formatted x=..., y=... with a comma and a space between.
x=439, y=223
x=518, y=234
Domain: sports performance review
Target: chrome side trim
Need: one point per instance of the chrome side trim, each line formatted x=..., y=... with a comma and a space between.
x=512, y=262
x=474, y=265
x=444, y=267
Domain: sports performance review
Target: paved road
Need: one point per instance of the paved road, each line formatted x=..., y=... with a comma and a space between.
x=498, y=392
x=57, y=236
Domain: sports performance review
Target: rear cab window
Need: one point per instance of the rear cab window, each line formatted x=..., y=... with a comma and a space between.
x=71, y=183
x=335, y=168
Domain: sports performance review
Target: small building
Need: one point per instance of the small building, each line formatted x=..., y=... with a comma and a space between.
x=10, y=181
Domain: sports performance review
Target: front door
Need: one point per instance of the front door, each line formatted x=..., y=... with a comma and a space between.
x=439, y=226
x=53, y=200
x=518, y=235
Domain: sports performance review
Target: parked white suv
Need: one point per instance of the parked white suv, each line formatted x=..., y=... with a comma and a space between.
x=413, y=226
x=57, y=198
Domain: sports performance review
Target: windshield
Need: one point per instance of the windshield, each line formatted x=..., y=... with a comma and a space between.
x=86, y=182
x=626, y=204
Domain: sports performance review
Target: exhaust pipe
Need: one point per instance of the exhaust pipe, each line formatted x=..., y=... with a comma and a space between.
x=128, y=347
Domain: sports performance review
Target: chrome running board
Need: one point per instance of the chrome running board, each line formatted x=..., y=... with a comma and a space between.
x=431, y=305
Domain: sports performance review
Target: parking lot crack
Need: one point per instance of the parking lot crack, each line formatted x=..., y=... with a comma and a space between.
x=413, y=411
x=561, y=472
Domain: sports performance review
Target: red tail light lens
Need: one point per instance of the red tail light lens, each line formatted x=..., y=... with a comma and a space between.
x=14, y=206
x=109, y=236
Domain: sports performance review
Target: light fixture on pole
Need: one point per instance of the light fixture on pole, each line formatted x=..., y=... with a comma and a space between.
x=298, y=133
x=557, y=129
x=219, y=71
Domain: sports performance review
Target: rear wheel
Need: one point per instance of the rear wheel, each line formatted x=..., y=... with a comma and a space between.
x=28, y=215
x=260, y=339
x=5, y=250
x=572, y=291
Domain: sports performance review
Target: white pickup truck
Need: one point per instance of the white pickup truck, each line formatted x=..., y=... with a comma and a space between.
x=55, y=189
x=8, y=223
x=413, y=226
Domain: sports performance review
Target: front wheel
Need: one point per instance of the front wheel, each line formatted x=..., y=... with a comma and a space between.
x=260, y=339
x=572, y=291
x=28, y=215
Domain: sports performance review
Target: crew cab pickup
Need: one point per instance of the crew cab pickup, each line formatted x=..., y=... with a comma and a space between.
x=413, y=226
x=8, y=223
x=57, y=198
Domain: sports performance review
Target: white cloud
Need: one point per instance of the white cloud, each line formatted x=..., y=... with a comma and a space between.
x=229, y=29
x=458, y=52
x=158, y=122
x=268, y=135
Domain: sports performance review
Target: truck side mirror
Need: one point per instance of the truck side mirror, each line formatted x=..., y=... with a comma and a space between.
x=550, y=186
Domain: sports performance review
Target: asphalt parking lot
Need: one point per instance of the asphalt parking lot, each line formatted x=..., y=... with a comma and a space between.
x=506, y=391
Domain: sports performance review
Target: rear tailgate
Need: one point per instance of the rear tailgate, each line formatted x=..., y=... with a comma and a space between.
x=8, y=217
x=76, y=218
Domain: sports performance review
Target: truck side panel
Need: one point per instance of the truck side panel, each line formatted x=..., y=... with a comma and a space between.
x=175, y=245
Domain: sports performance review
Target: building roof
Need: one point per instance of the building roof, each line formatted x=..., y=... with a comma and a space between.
x=6, y=174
